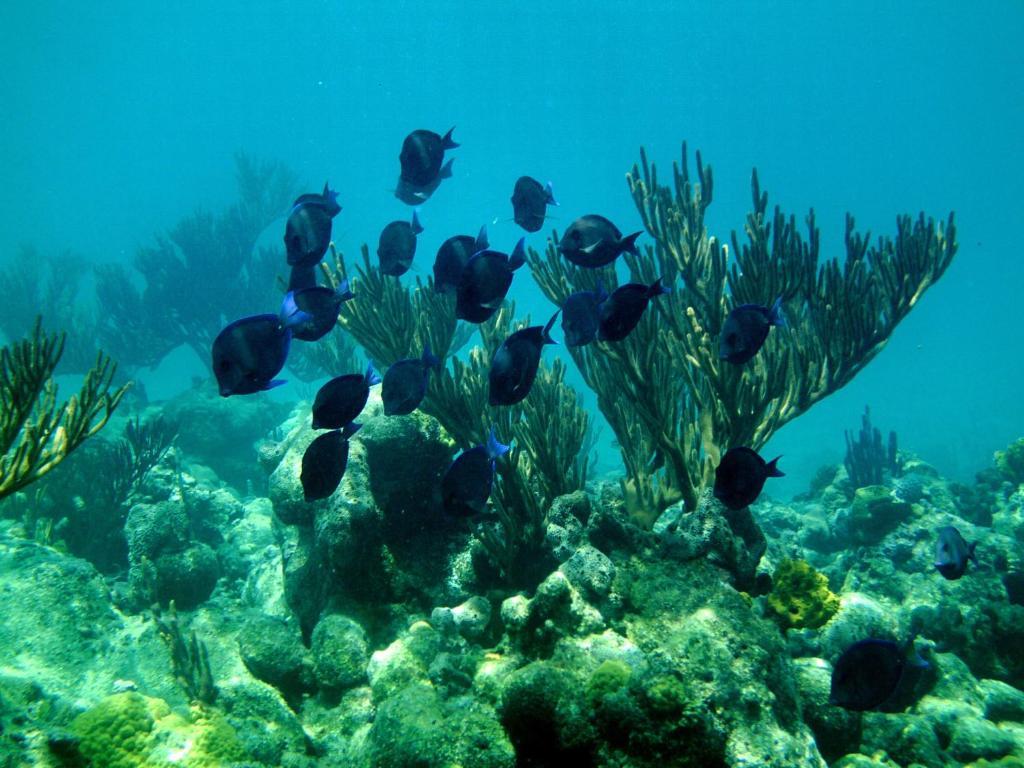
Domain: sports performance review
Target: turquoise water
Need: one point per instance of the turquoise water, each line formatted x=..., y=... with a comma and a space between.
x=125, y=117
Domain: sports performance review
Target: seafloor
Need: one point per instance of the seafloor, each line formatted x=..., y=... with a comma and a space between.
x=367, y=630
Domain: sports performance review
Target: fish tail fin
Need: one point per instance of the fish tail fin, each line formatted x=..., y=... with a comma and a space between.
x=274, y=384
x=773, y=470
x=416, y=226
x=494, y=448
x=430, y=360
x=371, y=376
x=628, y=243
x=481, y=239
x=546, y=335
x=970, y=552
x=518, y=256
x=775, y=315
x=447, y=141
x=291, y=315
x=602, y=294
x=656, y=289
x=343, y=291
x=350, y=429
x=550, y=192
x=446, y=170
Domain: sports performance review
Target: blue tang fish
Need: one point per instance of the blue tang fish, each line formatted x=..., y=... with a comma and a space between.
x=324, y=462
x=452, y=257
x=581, y=316
x=322, y=304
x=952, y=553
x=466, y=486
x=592, y=241
x=250, y=352
x=514, y=365
x=405, y=383
x=530, y=201
x=485, y=281
x=740, y=476
x=621, y=311
x=422, y=165
x=746, y=329
x=397, y=246
x=342, y=399
x=307, y=233
x=870, y=672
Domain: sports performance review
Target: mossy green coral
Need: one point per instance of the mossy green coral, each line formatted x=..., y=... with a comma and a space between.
x=1011, y=461
x=800, y=596
x=609, y=677
x=129, y=730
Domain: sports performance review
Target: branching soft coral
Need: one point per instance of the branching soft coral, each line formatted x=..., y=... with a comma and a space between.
x=674, y=406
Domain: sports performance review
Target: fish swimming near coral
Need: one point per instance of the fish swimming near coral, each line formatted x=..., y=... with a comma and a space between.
x=422, y=165
x=301, y=278
x=485, y=281
x=952, y=553
x=621, y=311
x=397, y=245
x=342, y=399
x=322, y=304
x=307, y=233
x=405, y=383
x=746, y=329
x=324, y=462
x=466, y=485
x=452, y=257
x=870, y=672
x=740, y=476
x=514, y=365
x=530, y=200
x=581, y=316
x=250, y=352
x=593, y=241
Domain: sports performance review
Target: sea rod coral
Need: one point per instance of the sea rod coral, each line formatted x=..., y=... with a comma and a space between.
x=674, y=406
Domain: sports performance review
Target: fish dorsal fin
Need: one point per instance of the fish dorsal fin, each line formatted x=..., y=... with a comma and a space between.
x=546, y=333
x=550, y=192
x=447, y=142
x=518, y=256
x=494, y=448
x=371, y=376
x=481, y=239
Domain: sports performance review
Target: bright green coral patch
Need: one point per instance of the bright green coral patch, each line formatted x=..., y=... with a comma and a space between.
x=129, y=730
x=1011, y=461
x=610, y=676
x=800, y=596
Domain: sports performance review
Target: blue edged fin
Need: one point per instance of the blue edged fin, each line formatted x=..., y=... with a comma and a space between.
x=481, y=239
x=494, y=448
x=343, y=292
x=371, y=376
x=546, y=335
x=775, y=314
x=550, y=192
x=518, y=256
x=656, y=289
x=416, y=226
x=429, y=359
x=628, y=243
x=274, y=384
x=290, y=315
x=350, y=429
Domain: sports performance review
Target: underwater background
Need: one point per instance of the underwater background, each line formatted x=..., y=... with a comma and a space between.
x=125, y=119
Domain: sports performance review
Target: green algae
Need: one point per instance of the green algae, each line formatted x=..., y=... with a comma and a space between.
x=800, y=596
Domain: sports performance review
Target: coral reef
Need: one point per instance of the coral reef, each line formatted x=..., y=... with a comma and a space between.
x=866, y=460
x=673, y=405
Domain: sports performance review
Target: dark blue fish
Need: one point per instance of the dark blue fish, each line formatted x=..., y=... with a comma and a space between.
x=301, y=278
x=397, y=246
x=405, y=383
x=740, y=476
x=452, y=257
x=514, y=365
x=485, y=281
x=593, y=241
x=870, y=672
x=530, y=201
x=324, y=462
x=745, y=330
x=250, y=352
x=328, y=200
x=307, y=233
x=342, y=399
x=466, y=485
x=581, y=316
x=423, y=166
x=952, y=553
x=621, y=311
x=322, y=304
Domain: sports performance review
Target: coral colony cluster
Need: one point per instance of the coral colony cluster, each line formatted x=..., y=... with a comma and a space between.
x=202, y=592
